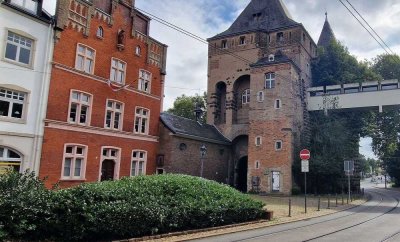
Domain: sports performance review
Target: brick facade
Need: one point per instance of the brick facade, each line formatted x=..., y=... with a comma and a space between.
x=239, y=60
x=79, y=23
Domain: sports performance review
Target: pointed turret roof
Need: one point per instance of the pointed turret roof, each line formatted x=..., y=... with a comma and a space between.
x=327, y=34
x=261, y=15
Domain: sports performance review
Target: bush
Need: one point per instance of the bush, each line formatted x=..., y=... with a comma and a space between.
x=24, y=206
x=143, y=205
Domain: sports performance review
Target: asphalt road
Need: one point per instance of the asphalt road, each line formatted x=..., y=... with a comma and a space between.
x=376, y=220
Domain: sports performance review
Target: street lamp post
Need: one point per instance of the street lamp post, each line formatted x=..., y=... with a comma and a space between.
x=203, y=152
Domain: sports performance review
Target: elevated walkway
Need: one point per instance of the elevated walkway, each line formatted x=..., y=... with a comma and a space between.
x=367, y=95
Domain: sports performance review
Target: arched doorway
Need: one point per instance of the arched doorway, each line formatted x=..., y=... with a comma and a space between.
x=241, y=182
x=9, y=159
x=107, y=170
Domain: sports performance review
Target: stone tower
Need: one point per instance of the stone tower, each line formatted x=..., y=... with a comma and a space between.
x=258, y=70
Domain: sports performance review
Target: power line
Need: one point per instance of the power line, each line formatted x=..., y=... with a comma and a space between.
x=366, y=28
x=370, y=26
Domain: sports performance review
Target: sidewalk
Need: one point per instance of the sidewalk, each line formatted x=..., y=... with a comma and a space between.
x=280, y=217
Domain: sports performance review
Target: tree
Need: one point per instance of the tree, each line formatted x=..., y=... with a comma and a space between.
x=184, y=106
x=384, y=128
x=387, y=66
x=335, y=65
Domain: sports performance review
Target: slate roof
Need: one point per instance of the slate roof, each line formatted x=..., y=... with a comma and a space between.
x=326, y=34
x=279, y=57
x=192, y=129
x=261, y=15
x=42, y=14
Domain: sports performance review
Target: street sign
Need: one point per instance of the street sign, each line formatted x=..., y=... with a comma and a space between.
x=305, y=154
x=304, y=166
x=349, y=166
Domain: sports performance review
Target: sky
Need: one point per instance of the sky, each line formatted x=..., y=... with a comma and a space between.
x=187, y=57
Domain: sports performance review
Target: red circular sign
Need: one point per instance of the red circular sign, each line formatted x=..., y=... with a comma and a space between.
x=305, y=154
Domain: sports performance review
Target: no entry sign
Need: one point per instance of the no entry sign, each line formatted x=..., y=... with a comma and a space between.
x=305, y=154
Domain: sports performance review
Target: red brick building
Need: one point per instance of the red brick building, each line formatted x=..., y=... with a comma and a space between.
x=105, y=94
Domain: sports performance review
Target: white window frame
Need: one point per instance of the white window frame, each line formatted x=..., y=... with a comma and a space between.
x=258, y=141
x=79, y=102
x=137, y=161
x=28, y=43
x=85, y=57
x=260, y=96
x=74, y=156
x=270, y=80
x=24, y=5
x=113, y=110
x=109, y=156
x=14, y=97
x=246, y=96
x=116, y=71
x=143, y=80
x=278, y=104
x=276, y=145
x=138, y=50
x=100, y=32
x=140, y=117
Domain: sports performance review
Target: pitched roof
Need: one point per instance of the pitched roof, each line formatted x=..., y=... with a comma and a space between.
x=192, y=129
x=261, y=15
x=327, y=34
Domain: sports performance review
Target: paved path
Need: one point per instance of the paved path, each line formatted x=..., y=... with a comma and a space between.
x=377, y=220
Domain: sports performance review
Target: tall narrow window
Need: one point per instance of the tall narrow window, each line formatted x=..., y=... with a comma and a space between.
x=79, y=111
x=85, y=57
x=142, y=121
x=260, y=96
x=258, y=140
x=224, y=44
x=11, y=103
x=242, y=40
x=19, y=49
x=246, y=96
x=100, y=32
x=138, y=165
x=144, y=81
x=74, y=162
x=278, y=145
x=277, y=103
x=118, y=70
x=138, y=50
x=279, y=37
x=270, y=80
x=114, y=111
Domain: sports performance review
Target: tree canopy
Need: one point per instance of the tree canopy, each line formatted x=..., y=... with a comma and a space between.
x=335, y=65
x=184, y=106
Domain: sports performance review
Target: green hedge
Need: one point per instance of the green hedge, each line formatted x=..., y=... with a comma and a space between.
x=130, y=207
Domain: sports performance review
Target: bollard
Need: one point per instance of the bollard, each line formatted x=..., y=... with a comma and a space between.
x=290, y=207
x=319, y=203
x=329, y=201
x=336, y=199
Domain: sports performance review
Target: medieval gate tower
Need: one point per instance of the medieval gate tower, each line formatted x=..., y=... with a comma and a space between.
x=258, y=70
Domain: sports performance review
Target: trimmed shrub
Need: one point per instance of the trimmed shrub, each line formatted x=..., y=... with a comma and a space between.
x=148, y=205
x=133, y=207
x=24, y=206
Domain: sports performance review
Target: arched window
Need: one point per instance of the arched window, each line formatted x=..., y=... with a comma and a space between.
x=270, y=80
x=246, y=96
x=9, y=159
x=138, y=50
x=100, y=32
